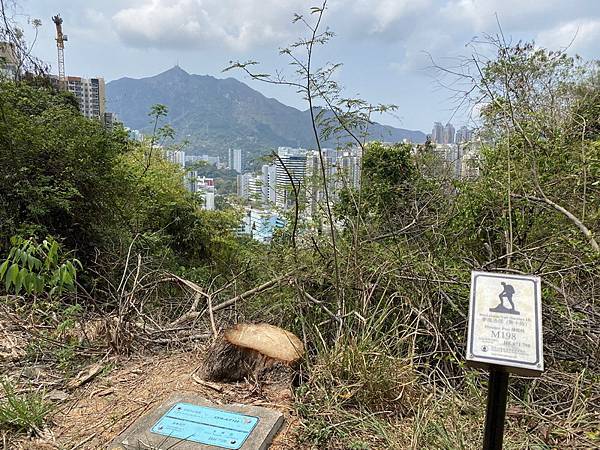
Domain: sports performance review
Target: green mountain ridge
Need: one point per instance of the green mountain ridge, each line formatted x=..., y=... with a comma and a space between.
x=217, y=114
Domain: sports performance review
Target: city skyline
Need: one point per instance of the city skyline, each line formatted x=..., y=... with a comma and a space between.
x=388, y=62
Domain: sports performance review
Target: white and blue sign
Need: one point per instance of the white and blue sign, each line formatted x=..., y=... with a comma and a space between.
x=205, y=425
x=505, y=322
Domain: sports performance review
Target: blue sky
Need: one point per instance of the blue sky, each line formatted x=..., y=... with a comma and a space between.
x=383, y=44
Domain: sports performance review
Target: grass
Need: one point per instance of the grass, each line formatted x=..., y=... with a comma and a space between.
x=22, y=413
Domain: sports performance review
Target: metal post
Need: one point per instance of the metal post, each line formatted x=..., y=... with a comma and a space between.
x=496, y=409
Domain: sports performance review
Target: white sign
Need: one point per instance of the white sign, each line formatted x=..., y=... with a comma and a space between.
x=505, y=323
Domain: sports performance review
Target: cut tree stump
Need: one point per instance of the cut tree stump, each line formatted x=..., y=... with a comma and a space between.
x=252, y=351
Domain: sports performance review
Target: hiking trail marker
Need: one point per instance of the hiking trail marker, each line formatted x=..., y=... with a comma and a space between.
x=504, y=336
x=187, y=422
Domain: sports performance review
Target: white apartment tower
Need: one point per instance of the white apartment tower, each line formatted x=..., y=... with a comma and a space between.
x=448, y=134
x=91, y=95
x=235, y=159
x=8, y=60
x=269, y=183
x=176, y=157
x=463, y=135
x=291, y=168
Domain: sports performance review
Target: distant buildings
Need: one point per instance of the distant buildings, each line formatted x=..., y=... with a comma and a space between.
x=291, y=168
x=176, y=157
x=298, y=171
x=136, y=135
x=91, y=96
x=460, y=160
x=90, y=93
x=449, y=155
x=235, y=159
x=249, y=186
x=9, y=65
x=204, y=187
x=447, y=134
x=212, y=160
x=463, y=135
x=269, y=183
x=261, y=224
x=437, y=133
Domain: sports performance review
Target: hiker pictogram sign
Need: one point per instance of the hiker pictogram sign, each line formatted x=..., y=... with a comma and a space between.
x=505, y=323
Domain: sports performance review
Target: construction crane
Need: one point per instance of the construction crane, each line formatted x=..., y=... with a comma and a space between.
x=60, y=45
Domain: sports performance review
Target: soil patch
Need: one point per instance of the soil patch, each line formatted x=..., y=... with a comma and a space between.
x=98, y=411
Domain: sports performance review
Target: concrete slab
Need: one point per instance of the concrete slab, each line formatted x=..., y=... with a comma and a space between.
x=188, y=422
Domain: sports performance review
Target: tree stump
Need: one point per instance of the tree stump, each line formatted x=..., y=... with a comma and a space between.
x=251, y=351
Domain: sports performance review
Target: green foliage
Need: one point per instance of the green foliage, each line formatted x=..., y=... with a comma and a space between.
x=22, y=412
x=38, y=267
x=387, y=170
x=380, y=298
x=93, y=189
x=58, y=169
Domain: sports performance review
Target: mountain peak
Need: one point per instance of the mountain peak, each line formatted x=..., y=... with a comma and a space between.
x=215, y=114
x=176, y=70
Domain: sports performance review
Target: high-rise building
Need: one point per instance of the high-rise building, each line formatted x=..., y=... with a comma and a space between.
x=109, y=120
x=291, y=168
x=90, y=93
x=269, y=183
x=249, y=186
x=176, y=157
x=448, y=134
x=204, y=187
x=235, y=159
x=463, y=135
x=437, y=133
x=8, y=60
x=351, y=165
x=470, y=161
x=243, y=185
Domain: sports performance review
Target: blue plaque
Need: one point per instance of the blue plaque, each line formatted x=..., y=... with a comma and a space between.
x=205, y=425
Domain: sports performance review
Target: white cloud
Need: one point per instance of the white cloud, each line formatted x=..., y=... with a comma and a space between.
x=408, y=28
x=93, y=26
x=581, y=36
x=383, y=16
x=235, y=25
x=513, y=15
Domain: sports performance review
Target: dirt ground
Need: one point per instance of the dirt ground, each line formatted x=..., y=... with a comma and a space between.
x=96, y=412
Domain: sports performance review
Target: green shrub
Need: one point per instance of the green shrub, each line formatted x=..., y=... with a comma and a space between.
x=36, y=268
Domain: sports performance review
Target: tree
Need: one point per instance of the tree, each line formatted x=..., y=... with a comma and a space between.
x=59, y=170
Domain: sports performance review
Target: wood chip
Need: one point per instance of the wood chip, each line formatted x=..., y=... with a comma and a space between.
x=85, y=375
x=208, y=384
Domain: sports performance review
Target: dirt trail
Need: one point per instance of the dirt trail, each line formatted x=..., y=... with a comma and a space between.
x=99, y=410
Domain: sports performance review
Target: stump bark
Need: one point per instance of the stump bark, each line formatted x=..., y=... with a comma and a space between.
x=252, y=351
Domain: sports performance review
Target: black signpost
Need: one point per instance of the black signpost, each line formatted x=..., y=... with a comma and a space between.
x=496, y=409
x=504, y=336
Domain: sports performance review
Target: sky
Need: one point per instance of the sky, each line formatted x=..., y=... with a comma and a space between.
x=386, y=46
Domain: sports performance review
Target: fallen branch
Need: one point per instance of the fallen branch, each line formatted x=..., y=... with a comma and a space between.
x=208, y=384
x=190, y=284
x=191, y=315
x=256, y=290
